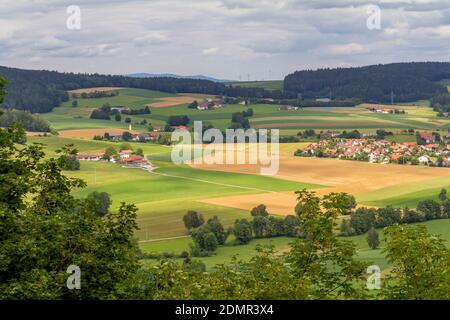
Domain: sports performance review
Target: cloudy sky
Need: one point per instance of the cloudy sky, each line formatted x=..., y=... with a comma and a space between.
x=229, y=39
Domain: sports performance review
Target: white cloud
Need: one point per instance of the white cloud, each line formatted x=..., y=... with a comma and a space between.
x=210, y=51
x=350, y=48
x=260, y=37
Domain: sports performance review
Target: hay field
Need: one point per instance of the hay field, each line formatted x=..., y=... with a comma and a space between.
x=357, y=178
x=171, y=101
x=90, y=133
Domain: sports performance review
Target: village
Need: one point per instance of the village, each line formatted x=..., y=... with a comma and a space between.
x=429, y=152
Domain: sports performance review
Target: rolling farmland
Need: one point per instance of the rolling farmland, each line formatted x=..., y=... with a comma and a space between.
x=164, y=195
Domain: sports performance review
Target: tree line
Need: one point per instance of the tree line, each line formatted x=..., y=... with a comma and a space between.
x=40, y=91
x=404, y=82
x=363, y=219
x=26, y=119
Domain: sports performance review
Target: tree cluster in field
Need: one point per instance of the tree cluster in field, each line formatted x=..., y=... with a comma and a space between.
x=374, y=84
x=95, y=95
x=239, y=120
x=363, y=219
x=208, y=236
x=175, y=120
x=25, y=119
x=106, y=111
x=133, y=112
x=441, y=104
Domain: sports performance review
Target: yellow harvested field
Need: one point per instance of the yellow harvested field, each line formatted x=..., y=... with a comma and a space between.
x=89, y=133
x=35, y=134
x=337, y=175
x=171, y=101
x=97, y=89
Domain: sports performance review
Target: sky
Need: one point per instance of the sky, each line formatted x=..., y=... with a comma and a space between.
x=226, y=39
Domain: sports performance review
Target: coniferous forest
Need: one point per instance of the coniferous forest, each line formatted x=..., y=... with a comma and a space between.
x=40, y=91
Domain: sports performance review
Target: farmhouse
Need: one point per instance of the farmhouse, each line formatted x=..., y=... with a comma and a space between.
x=211, y=104
x=125, y=154
x=428, y=137
x=115, y=136
x=90, y=157
x=288, y=108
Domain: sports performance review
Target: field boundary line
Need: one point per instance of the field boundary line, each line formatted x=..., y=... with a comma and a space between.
x=162, y=239
x=211, y=182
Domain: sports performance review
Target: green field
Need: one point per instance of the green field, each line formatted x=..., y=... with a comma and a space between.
x=418, y=116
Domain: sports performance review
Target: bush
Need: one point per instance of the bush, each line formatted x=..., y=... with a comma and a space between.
x=362, y=220
x=430, y=208
x=193, y=219
x=100, y=114
x=70, y=163
x=242, y=230
x=373, y=239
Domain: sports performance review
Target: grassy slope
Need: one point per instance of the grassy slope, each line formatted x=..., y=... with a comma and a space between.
x=408, y=195
x=164, y=197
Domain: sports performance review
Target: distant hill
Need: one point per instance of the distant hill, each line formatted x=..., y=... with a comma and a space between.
x=171, y=75
x=40, y=91
x=406, y=81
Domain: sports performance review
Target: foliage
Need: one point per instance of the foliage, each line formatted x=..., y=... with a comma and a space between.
x=103, y=202
x=260, y=211
x=193, y=219
x=44, y=229
x=242, y=230
x=178, y=121
x=25, y=119
x=205, y=241
x=321, y=260
x=431, y=209
x=420, y=265
x=216, y=227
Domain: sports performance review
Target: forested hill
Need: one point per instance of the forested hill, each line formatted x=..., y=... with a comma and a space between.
x=408, y=81
x=41, y=91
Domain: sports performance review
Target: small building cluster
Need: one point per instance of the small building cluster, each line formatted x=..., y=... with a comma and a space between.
x=211, y=104
x=288, y=108
x=125, y=157
x=386, y=110
x=382, y=151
